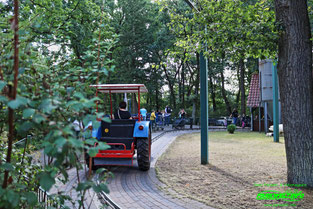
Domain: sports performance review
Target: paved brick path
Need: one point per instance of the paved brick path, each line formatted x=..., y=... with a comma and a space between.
x=132, y=188
x=91, y=198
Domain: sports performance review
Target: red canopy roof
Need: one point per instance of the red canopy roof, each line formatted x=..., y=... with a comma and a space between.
x=120, y=88
x=254, y=93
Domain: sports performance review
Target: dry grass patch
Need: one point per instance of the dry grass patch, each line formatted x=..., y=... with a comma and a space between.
x=237, y=162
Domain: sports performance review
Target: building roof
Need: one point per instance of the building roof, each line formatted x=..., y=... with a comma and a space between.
x=120, y=88
x=254, y=93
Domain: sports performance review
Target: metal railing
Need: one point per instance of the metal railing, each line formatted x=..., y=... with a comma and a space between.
x=46, y=199
x=43, y=197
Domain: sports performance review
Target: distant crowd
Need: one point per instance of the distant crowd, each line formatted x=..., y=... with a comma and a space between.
x=163, y=116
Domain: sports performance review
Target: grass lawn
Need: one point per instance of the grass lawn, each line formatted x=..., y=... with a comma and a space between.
x=241, y=166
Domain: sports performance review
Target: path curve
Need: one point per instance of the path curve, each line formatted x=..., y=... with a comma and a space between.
x=132, y=188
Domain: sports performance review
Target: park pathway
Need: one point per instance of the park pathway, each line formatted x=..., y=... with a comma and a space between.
x=132, y=188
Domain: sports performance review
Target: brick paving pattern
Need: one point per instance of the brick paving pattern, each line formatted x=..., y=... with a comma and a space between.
x=132, y=188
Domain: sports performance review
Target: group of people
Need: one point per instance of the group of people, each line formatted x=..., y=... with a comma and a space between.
x=234, y=115
x=164, y=115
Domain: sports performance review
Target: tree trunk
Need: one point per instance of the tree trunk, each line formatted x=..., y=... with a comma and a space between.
x=296, y=89
x=183, y=85
x=224, y=93
x=170, y=86
x=242, y=85
x=134, y=104
x=197, y=87
x=179, y=85
x=12, y=92
x=212, y=91
x=157, y=94
x=238, y=97
x=238, y=94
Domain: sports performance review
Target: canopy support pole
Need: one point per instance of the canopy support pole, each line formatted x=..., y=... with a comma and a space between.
x=111, y=103
x=139, y=104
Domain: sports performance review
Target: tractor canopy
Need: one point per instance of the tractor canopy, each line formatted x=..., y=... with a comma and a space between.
x=123, y=135
x=120, y=88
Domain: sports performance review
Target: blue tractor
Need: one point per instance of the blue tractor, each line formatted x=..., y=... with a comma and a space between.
x=126, y=137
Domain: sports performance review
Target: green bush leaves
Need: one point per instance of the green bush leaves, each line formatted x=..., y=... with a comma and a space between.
x=46, y=180
x=19, y=101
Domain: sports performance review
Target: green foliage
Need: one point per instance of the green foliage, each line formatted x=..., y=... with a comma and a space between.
x=231, y=128
x=59, y=47
x=230, y=31
x=67, y=45
x=46, y=180
x=23, y=173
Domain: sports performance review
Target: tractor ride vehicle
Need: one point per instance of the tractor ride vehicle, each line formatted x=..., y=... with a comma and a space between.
x=124, y=136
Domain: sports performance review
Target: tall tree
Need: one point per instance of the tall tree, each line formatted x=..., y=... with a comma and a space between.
x=232, y=34
x=296, y=88
x=242, y=86
x=224, y=93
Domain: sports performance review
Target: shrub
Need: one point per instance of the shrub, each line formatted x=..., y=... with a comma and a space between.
x=231, y=128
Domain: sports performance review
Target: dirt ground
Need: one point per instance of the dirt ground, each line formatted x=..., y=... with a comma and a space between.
x=242, y=165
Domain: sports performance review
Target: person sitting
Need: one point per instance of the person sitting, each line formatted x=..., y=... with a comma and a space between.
x=143, y=113
x=122, y=113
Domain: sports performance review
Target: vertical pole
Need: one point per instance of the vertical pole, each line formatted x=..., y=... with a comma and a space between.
x=265, y=117
x=203, y=100
x=97, y=100
x=111, y=103
x=275, y=103
x=260, y=117
x=204, y=109
x=139, y=104
x=251, y=120
x=126, y=100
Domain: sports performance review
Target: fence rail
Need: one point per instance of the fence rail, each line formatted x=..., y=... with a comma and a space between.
x=43, y=197
x=46, y=198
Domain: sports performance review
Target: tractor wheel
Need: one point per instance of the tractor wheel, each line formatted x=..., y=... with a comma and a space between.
x=144, y=152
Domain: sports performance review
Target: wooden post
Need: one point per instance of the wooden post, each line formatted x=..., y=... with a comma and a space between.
x=90, y=167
